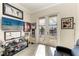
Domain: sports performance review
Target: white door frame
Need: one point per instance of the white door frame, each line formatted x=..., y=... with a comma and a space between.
x=58, y=29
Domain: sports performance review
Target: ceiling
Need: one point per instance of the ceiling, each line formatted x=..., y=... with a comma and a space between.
x=35, y=7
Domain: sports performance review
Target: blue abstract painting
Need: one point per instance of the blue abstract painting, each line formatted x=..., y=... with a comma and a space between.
x=11, y=24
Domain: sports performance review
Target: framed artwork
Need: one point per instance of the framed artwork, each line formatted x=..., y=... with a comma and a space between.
x=12, y=11
x=9, y=24
x=10, y=35
x=67, y=23
x=27, y=27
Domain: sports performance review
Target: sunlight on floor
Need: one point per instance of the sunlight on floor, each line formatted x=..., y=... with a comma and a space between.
x=52, y=50
x=40, y=50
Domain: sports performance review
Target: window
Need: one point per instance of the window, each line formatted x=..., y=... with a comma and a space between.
x=53, y=25
x=42, y=26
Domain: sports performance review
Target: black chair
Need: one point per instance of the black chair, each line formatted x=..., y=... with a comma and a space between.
x=63, y=51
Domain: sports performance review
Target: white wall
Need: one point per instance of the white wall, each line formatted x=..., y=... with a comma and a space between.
x=65, y=37
x=26, y=12
x=26, y=17
x=1, y=32
x=77, y=24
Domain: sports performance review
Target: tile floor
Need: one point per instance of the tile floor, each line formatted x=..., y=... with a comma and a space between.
x=37, y=50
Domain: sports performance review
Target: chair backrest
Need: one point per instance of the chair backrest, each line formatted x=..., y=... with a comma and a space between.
x=64, y=51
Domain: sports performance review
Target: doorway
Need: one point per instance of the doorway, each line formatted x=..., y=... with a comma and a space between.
x=47, y=27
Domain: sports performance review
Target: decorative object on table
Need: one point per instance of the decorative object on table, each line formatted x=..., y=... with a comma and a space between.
x=27, y=27
x=67, y=23
x=12, y=11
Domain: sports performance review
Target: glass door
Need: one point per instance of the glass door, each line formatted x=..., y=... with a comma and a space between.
x=47, y=30
x=52, y=25
x=51, y=29
x=42, y=26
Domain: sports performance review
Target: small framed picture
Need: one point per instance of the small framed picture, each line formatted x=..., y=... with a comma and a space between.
x=12, y=11
x=67, y=23
x=27, y=27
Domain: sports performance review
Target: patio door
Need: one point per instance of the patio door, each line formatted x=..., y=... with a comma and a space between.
x=42, y=30
x=47, y=30
x=51, y=30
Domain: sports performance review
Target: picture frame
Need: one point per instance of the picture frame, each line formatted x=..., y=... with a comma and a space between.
x=12, y=11
x=27, y=27
x=10, y=35
x=10, y=24
x=67, y=23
